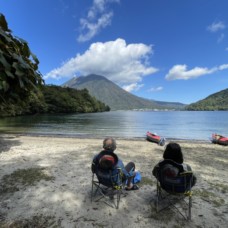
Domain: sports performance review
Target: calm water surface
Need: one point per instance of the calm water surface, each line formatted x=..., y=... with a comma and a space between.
x=127, y=124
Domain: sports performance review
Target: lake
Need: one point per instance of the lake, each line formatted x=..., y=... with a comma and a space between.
x=127, y=124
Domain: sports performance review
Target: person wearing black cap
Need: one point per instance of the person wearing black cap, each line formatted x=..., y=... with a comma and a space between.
x=107, y=158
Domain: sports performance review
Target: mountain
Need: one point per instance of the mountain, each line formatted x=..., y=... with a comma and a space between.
x=216, y=101
x=114, y=96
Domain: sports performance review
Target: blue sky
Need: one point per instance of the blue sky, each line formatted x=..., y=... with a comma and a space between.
x=168, y=50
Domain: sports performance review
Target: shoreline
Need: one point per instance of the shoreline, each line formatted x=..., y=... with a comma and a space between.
x=46, y=182
x=90, y=136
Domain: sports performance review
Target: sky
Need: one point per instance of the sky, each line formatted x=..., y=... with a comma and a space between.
x=166, y=50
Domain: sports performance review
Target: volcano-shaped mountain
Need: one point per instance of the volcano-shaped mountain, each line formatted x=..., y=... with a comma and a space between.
x=114, y=96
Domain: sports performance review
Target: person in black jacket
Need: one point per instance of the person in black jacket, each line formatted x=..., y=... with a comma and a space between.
x=173, y=152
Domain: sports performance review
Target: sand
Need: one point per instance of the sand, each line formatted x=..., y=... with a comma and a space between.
x=46, y=182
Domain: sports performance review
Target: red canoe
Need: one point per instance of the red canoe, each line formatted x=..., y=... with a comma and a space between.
x=219, y=139
x=155, y=138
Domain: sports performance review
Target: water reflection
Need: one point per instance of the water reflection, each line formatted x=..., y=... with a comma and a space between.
x=187, y=125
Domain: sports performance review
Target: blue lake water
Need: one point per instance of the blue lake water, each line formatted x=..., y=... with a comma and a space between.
x=126, y=124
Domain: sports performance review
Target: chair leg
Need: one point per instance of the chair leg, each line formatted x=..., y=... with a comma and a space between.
x=189, y=208
x=92, y=189
x=158, y=198
x=112, y=194
x=108, y=194
x=118, y=199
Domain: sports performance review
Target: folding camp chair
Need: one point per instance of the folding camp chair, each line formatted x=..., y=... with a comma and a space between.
x=174, y=188
x=107, y=189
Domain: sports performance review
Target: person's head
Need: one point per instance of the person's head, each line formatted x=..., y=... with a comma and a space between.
x=109, y=144
x=173, y=152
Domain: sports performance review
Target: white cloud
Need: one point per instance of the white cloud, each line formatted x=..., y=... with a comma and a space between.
x=226, y=49
x=223, y=67
x=216, y=26
x=98, y=17
x=119, y=62
x=181, y=72
x=156, y=89
x=133, y=87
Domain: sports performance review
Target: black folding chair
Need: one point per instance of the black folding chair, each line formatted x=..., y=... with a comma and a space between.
x=107, y=185
x=174, y=188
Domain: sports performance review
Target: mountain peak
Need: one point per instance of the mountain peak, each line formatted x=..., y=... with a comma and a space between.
x=73, y=82
x=114, y=96
x=95, y=77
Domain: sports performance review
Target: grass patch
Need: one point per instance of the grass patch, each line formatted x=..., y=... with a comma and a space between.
x=209, y=197
x=36, y=221
x=23, y=178
x=223, y=188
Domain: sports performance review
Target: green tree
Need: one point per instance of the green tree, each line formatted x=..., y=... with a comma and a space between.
x=216, y=101
x=19, y=73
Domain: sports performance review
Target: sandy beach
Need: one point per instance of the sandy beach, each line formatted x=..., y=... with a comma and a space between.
x=46, y=182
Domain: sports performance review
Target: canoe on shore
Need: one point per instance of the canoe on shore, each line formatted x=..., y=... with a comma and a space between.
x=219, y=139
x=152, y=137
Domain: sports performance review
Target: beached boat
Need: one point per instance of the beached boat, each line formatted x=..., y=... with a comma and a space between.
x=152, y=137
x=219, y=139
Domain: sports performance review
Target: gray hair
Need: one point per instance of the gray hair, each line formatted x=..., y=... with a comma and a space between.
x=109, y=144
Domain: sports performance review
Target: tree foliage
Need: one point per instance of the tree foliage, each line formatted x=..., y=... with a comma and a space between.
x=68, y=100
x=216, y=101
x=55, y=99
x=19, y=73
x=21, y=84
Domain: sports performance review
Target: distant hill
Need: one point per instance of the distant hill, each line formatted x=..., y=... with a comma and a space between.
x=216, y=101
x=114, y=96
x=171, y=105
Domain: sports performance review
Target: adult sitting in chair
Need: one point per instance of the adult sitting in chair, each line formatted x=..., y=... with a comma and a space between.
x=173, y=163
x=176, y=179
x=107, y=159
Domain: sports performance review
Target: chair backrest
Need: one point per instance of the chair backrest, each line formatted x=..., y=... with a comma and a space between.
x=110, y=178
x=173, y=178
x=107, y=171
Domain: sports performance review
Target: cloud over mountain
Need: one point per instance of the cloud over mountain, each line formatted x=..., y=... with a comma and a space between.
x=121, y=63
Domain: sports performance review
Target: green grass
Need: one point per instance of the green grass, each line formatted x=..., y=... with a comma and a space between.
x=36, y=221
x=223, y=188
x=22, y=178
x=209, y=197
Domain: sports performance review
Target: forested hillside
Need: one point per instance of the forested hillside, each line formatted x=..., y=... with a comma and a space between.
x=54, y=99
x=216, y=101
x=67, y=100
